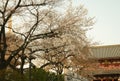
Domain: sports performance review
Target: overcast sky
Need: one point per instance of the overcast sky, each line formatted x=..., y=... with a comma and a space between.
x=107, y=17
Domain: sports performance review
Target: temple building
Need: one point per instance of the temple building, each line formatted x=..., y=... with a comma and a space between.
x=108, y=58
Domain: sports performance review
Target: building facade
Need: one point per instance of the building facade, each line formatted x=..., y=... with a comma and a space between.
x=108, y=58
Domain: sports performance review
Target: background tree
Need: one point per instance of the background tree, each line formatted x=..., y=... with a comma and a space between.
x=27, y=15
x=71, y=48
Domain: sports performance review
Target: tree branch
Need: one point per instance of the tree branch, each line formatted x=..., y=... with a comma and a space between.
x=28, y=5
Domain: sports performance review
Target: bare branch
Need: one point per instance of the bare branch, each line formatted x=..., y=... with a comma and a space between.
x=28, y=5
x=42, y=36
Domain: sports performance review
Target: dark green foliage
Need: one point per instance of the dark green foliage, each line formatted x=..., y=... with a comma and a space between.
x=36, y=75
x=42, y=75
x=11, y=75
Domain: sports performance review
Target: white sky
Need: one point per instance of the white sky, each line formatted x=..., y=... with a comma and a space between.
x=107, y=16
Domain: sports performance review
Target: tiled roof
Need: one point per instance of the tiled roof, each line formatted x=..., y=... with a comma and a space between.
x=107, y=51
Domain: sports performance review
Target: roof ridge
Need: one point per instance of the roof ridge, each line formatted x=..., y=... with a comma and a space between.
x=105, y=45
